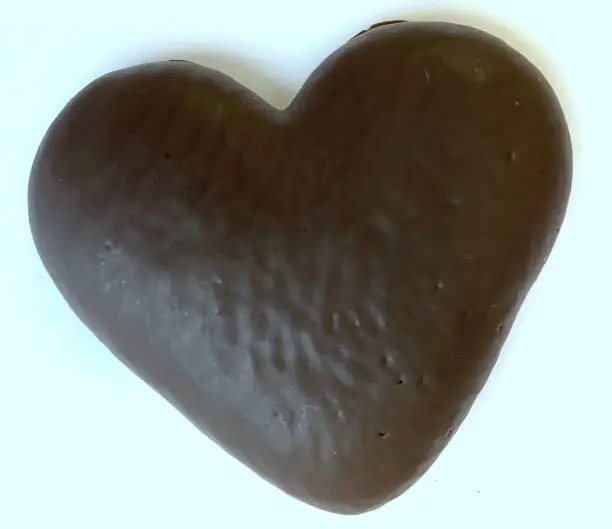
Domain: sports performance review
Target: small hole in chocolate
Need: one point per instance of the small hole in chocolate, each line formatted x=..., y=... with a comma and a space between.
x=166, y=155
x=381, y=435
x=384, y=362
x=401, y=381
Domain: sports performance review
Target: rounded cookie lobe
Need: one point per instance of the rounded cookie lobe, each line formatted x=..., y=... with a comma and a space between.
x=322, y=290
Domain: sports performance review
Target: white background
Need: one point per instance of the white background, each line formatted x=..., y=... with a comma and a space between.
x=85, y=445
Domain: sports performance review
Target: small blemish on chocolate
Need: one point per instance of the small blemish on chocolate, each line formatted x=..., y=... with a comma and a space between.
x=453, y=201
x=423, y=380
x=386, y=361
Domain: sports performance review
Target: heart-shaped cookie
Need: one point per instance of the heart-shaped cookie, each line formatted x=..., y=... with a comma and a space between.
x=323, y=290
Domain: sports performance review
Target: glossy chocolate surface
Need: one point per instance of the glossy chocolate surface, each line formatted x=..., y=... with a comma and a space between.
x=323, y=290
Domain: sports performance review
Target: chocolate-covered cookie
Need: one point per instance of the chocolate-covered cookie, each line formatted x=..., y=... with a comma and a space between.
x=324, y=289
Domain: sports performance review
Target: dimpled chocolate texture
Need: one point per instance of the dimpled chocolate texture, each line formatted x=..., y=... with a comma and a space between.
x=324, y=289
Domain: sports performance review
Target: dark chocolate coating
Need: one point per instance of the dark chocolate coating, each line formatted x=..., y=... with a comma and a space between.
x=323, y=290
